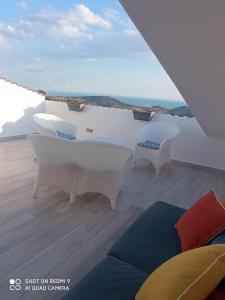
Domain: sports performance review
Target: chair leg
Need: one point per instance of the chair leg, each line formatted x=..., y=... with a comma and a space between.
x=37, y=185
x=157, y=170
x=72, y=198
x=113, y=203
x=73, y=191
x=73, y=194
x=36, y=188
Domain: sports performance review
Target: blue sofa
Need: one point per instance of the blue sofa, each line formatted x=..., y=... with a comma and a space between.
x=148, y=243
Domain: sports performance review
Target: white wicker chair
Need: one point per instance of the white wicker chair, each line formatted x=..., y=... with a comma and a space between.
x=48, y=124
x=79, y=167
x=163, y=133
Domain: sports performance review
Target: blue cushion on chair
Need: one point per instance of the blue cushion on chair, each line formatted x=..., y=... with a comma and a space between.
x=150, y=145
x=152, y=239
x=65, y=136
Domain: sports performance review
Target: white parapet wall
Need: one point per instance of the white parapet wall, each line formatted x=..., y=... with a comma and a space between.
x=192, y=145
x=18, y=105
x=103, y=121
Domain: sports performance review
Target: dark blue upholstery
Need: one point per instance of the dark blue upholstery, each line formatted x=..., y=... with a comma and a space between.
x=152, y=239
x=220, y=239
x=112, y=279
x=149, y=242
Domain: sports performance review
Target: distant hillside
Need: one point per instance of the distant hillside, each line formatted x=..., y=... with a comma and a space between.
x=181, y=111
x=107, y=101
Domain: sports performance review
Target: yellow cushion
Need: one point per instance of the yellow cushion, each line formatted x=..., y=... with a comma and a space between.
x=190, y=275
x=223, y=202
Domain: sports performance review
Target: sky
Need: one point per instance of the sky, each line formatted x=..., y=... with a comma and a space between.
x=87, y=46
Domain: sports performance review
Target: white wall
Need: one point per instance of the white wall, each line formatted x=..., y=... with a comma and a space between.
x=117, y=123
x=192, y=145
x=18, y=105
x=188, y=38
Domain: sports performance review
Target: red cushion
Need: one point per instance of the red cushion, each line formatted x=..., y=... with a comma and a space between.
x=203, y=221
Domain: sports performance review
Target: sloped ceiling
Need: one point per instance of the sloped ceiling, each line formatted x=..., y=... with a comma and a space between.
x=188, y=38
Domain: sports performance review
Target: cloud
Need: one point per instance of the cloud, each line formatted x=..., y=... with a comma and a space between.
x=2, y=41
x=112, y=14
x=75, y=23
x=51, y=35
x=91, y=59
x=83, y=14
x=131, y=32
x=35, y=70
x=22, y=4
x=103, y=46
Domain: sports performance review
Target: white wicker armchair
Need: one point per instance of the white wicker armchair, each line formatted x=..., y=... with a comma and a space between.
x=48, y=124
x=79, y=167
x=162, y=133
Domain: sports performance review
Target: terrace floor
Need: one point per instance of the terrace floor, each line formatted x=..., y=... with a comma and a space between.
x=48, y=238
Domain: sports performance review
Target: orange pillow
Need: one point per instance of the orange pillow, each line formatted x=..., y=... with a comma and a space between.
x=201, y=223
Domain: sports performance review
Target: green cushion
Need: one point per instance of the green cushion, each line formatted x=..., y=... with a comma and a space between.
x=219, y=239
x=111, y=279
x=152, y=239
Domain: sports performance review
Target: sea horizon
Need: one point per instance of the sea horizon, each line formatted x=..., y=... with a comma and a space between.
x=142, y=101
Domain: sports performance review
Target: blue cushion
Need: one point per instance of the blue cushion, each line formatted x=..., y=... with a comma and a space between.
x=219, y=239
x=65, y=136
x=111, y=279
x=152, y=239
x=150, y=145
